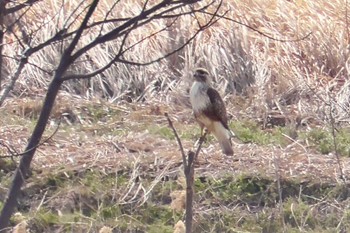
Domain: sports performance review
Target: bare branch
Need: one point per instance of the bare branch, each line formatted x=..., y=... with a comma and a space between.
x=92, y=74
x=13, y=153
x=40, y=27
x=161, y=15
x=164, y=14
x=178, y=140
x=23, y=61
x=53, y=89
x=117, y=31
x=66, y=25
x=21, y=6
x=18, y=40
x=161, y=10
x=335, y=141
x=106, y=16
x=6, y=90
x=2, y=33
x=116, y=57
x=79, y=32
x=9, y=28
x=189, y=173
x=188, y=41
x=262, y=33
x=64, y=34
x=50, y=72
x=10, y=149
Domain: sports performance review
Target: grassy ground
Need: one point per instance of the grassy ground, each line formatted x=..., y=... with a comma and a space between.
x=114, y=165
x=118, y=166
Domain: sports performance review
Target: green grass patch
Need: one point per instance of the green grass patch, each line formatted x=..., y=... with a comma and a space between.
x=321, y=139
x=44, y=220
x=251, y=132
x=92, y=197
x=227, y=204
x=98, y=112
x=324, y=141
x=253, y=205
x=162, y=131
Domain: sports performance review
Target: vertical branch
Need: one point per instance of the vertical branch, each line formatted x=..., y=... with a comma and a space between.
x=6, y=90
x=189, y=174
x=68, y=52
x=2, y=30
x=178, y=141
x=347, y=21
x=279, y=188
x=334, y=137
x=330, y=102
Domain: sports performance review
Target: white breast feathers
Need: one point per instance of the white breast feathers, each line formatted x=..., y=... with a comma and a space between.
x=198, y=96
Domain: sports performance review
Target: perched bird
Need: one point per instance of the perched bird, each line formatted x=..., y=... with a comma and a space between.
x=209, y=110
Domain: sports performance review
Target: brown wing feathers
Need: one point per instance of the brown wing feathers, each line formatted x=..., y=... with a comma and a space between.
x=217, y=110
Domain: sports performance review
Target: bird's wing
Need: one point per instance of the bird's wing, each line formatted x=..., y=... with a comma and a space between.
x=217, y=109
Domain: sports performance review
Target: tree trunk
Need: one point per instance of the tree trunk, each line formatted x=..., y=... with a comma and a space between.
x=2, y=30
x=189, y=173
x=11, y=202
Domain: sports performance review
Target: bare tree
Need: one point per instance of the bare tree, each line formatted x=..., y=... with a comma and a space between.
x=10, y=17
x=171, y=10
x=188, y=164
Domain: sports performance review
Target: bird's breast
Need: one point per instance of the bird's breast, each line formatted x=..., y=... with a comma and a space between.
x=198, y=97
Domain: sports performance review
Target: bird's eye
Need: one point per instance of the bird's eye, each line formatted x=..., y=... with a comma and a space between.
x=200, y=72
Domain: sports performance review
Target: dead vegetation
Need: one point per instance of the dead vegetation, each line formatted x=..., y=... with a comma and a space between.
x=114, y=166
x=109, y=171
x=298, y=78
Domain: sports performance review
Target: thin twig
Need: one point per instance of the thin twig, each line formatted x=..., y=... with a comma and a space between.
x=347, y=21
x=9, y=148
x=279, y=187
x=178, y=140
x=262, y=33
x=109, y=12
x=188, y=41
x=335, y=142
x=331, y=103
x=12, y=154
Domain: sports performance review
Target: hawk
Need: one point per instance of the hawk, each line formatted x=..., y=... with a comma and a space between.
x=209, y=110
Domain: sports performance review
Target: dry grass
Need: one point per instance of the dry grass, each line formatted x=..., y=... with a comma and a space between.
x=301, y=84
x=110, y=135
x=301, y=78
x=102, y=165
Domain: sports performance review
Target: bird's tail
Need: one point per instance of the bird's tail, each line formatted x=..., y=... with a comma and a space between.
x=224, y=135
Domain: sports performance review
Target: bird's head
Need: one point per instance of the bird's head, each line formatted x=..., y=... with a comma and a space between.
x=201, y=75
